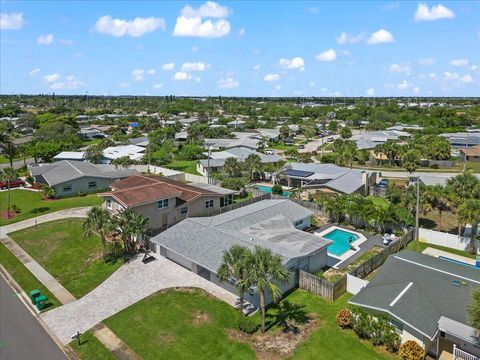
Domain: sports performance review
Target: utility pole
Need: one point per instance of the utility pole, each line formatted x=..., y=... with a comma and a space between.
x=417, y=209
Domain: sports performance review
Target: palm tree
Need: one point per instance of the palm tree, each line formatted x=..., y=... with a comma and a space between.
x=98, y=220
x=436, y=197
x=9, y=175
x=264, y=270
x=464, y=185
x=234, y=268
x=48, y=191
x=469, y=213
x=474, y=310
x=232, y=167
x=132, y=226
x=253, y=163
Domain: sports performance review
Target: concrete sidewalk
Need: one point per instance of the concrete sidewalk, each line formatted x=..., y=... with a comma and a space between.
x=58, y=215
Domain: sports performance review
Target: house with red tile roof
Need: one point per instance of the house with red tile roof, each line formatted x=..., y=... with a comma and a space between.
x=165, y=201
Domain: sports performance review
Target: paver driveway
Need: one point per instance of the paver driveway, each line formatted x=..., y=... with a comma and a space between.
x=130, y=283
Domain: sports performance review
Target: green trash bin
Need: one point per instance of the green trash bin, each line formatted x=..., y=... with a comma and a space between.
x=40, y=301
x=33, y=295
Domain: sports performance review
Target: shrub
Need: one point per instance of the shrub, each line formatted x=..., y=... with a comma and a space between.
x=233, y=183
x=15, y=209
x=30, y=180
x=277, y=189
x=247, y=325
x=434, y=166
x=411, y=350
x=344, y=318
x=392, y=341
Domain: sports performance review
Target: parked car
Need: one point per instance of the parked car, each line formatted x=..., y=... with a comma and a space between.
x=330, y=139
x=301, y=146
x=269, y=152
x=13, y=184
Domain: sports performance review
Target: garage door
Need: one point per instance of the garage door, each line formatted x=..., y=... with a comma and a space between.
x=180, y=260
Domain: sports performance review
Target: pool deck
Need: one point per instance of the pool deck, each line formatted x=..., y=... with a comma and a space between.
x=437, y=253
x=351, y=256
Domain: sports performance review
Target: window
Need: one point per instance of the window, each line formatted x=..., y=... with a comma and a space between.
x=184, y=210
x=162, y=204
x=109, y=204
x=67, y=188
x=299, y=222
x=92, y=184
x=209, y=204
x=226, y=200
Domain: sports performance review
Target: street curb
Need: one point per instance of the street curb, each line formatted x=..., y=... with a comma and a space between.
x=36, y=314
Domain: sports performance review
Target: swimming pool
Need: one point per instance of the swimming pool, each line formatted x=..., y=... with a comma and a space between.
x=268, y=189
x=341, y=241
x=458, y=262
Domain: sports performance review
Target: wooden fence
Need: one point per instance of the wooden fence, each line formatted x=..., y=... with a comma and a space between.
x=326, y=289
x=370, y=265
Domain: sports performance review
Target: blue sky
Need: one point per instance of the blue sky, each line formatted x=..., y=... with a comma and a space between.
x=244, y=48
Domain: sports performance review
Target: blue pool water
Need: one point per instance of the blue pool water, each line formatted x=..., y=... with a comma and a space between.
x=458, y=262
x=268, y=189
x=341, y=243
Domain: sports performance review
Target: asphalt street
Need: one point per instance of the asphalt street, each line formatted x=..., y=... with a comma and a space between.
x=21, y=335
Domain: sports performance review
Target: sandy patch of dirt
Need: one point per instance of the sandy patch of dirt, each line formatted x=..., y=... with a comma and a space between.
x=200, y=318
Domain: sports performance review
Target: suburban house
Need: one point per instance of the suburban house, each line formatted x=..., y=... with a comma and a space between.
x=217, y=159
x=140, y=141
x=426, y=299
x=91, y=133
x=68, y=178
x=370, y=139
x=328, y=178
x=462, y=139
x=133, y=152
x=70, y=155
x=164, y=201
x=249, y=140
x=198, y=243
x=471, y=154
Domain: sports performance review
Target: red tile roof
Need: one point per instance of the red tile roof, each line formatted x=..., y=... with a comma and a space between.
x=143, y=189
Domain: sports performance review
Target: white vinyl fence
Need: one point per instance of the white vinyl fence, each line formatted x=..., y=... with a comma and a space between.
x=173, y=174
x=444, y=239
x=355, y=284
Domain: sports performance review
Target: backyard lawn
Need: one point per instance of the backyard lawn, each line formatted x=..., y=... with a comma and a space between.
x=75, y=262
x=419, y=246
x=187, y=166
x=24, y=277
x=179, y=325
x=31, y=204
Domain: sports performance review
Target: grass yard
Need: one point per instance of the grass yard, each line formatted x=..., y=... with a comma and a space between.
x=91, y=348
x=75, y=262
x=187, y=166
x=329, y=341
x=24, y=277
x=238, y=198
x=179, y=325
x=5, y=160
x=379, y=201
x=283, y=147
x=31, y=204
x=419, y=246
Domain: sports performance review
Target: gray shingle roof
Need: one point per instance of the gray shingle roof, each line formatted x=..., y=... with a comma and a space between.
x=267, y=223
x=218, y=158
x=66, y=170
x=431, y=295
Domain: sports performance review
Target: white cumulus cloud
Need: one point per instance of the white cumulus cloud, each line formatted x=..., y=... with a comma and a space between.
x=228, y=83
x=380, y=36
x=404, y=85
x=13, y=21
x=456, y=77
x=191, y=21
x=257, y=67
x=135, y=28
x=371, y=92
x=426, y=61
x=295, y=63
x=52, y=77
x=45, y=39
x=400, y=68
x=327, y=55
x=168, y=66
x=68, y=83
x=271, y=77
x=345, y=38
x=424, y=13
x=34, y=72
x=182, y=75
x=157, y=86
x=138, y=74
x=459, y=62
x=195, y=66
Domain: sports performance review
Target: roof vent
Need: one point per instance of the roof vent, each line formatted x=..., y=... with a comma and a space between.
x=456, y=283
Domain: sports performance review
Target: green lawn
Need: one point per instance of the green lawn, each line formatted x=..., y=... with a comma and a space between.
x=5, y=160
x=282, y=146
x=91, y=348
x=379, y=201
x=419, y=246
x=188, y=166
x=24, y=277
x=31, y=204
x=329, y=341
x=179, y=325
x=75, y=262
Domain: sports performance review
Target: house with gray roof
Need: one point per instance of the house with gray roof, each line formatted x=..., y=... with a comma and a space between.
x=426, y=299
x=217, y=159
x=462, y=139
x=198, y=243
x=68, y=178
x=327, y=177
x=370, y=139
